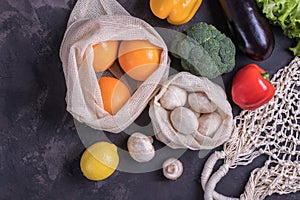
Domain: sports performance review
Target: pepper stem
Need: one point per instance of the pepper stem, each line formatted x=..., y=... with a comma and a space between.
x=266, y=76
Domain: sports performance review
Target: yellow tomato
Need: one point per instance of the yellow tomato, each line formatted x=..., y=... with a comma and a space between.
x=105, y=53
x=114, y=94
x=139, y=58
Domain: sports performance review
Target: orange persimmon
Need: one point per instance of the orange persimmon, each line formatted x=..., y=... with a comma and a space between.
x=105, y=53
x=139, y=58
x=114, y=94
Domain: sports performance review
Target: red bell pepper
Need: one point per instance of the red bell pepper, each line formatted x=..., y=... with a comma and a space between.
x=251, y=87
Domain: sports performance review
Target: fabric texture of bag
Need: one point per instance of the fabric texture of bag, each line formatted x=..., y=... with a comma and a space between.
x=91, y=22
x=163, y=128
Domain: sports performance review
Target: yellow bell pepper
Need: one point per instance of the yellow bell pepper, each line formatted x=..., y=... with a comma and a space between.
x=177, y=12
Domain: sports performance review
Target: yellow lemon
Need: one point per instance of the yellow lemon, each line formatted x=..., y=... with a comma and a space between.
x=99, y=161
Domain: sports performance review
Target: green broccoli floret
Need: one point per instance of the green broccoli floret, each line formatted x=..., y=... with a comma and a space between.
x=205, y=51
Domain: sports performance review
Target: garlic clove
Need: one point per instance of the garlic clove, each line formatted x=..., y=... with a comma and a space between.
x=209, y=124
x=173, y=97
x=184, y=120
x=172, y=168
x=200, y=103
x=140, y=147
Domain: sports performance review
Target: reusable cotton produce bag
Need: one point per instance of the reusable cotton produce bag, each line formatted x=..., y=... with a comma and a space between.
x=272, y=129
x=91, y=22
x=163, y=128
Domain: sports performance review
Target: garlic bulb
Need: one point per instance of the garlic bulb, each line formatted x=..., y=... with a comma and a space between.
x=184, y=120
x=172, y=169
x=173, y=97
x=209, y=124
x=140, y=147
x=199, y=102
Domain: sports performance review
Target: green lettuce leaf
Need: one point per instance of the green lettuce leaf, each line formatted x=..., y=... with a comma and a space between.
x=296, y=49
x=285, y=13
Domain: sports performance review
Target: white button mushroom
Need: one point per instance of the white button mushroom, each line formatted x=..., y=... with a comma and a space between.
x=209, y=124
x=184, y=120
x=140, y=147
x=199, y=102
x=173, y=97
x=172, y=168
x=197, y=114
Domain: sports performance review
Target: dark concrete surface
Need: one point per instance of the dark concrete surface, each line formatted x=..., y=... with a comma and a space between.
x=39, y=146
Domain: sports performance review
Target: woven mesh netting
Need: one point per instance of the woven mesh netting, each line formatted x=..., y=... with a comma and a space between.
x=272, y=129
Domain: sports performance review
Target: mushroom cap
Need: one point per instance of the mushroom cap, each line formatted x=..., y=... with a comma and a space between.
x=209, y=123
x=172, y=168
x=140, y=147
x=200, y=103
x=173, y=97
x=184, y=120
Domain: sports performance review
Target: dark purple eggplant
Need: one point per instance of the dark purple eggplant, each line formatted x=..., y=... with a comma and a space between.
x=250, y=30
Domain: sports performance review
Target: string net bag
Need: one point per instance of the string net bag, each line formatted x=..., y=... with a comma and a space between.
x=274, y=130
x=91, y=22
x=160, y=117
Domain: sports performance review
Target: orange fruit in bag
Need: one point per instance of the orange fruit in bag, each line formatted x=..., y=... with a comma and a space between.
x=105, y=53
x=114, y=94
x=139, y=58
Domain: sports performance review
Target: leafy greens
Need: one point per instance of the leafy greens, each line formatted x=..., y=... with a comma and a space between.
x=285, y=13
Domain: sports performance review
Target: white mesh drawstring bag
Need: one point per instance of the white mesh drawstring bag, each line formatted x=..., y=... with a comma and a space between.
x=274, y=130
x=91, y=22
x=160, y=117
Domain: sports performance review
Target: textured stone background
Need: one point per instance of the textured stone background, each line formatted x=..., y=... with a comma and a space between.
x=39, y=145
